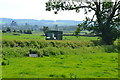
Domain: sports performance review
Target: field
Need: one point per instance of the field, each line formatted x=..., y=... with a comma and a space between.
x=70, y=58
x=63, y=66
x=10, y=36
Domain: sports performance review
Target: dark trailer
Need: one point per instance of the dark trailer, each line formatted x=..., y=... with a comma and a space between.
x=53, y=35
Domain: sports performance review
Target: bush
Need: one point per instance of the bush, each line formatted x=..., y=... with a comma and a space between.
x=19, y=43
x=118, y=46
x=50, y=51
x=45, y=51
x=57, y=75
x=20, y=48
x=33, y=51
x=34, y=44
x=8, y=29
x=5, y=62
x=43, y=44
x=97, y=42
x=28, y=32
x=53, y=75
x=3, y=31
x=110, y=48
x=15, y=52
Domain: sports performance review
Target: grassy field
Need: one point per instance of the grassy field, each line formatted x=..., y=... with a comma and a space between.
x=10, y=36
x=72, y=57
x=101, y=65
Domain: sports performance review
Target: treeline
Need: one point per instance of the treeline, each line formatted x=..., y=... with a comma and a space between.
x=26, y=26
x=8, y=30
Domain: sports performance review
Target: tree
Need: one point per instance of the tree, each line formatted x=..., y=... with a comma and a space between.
x=24, y=31
x=107, y=14
x=3, y=31
x=14, y=30
x=26, y=24
x=20, y=31
x=29, y=32
x=77, y=31
x=13, y=23
x=8, y=29
x=45, y=28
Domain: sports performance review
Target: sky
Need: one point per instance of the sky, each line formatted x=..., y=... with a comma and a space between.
x=35, y=9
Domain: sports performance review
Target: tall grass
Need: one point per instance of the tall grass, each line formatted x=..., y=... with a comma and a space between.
x=54, y=51
x=43, y=43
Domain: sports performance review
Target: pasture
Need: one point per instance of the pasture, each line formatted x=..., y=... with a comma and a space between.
x=101, y=65
x=10, y=36
x=70, y=58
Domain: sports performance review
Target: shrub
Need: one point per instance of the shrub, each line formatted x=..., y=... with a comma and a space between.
x=8, y=29
x=53, y=75
x=15, y=52
x=50, y=51
x=97, y=42
x=3, y=31
x=63, y=76
x=5, y=62
x=34, y=44
x=118, y=46
x=43, y=44
x=110, y=48
x=5, y=43
x=28, y=32
x=33, y=51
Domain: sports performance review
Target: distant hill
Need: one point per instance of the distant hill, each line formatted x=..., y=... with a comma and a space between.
x=40, y=22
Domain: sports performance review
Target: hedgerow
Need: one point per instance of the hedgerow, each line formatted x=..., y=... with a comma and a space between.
x=42, y=44
x=20, y=48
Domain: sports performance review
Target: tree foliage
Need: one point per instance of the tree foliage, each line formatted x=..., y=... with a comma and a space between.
x=45, y=28
x=77, y=31
x=13, y=23
x=107, y=14
x=8, y=29
x=27, y=31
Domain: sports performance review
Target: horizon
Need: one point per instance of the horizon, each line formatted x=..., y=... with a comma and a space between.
x=42, y=19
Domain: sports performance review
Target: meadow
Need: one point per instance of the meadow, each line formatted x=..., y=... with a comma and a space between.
x=63, y=66
x=73, y=57
x=10, y=36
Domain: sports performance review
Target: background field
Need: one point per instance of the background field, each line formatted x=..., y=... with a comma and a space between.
x=10, y=36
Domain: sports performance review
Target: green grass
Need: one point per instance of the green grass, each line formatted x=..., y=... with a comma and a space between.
x=70, y=57
x=97, y=65
x=10, y=36
x=81, y=38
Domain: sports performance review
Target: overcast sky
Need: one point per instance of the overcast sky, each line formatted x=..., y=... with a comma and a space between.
x=34, y=9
